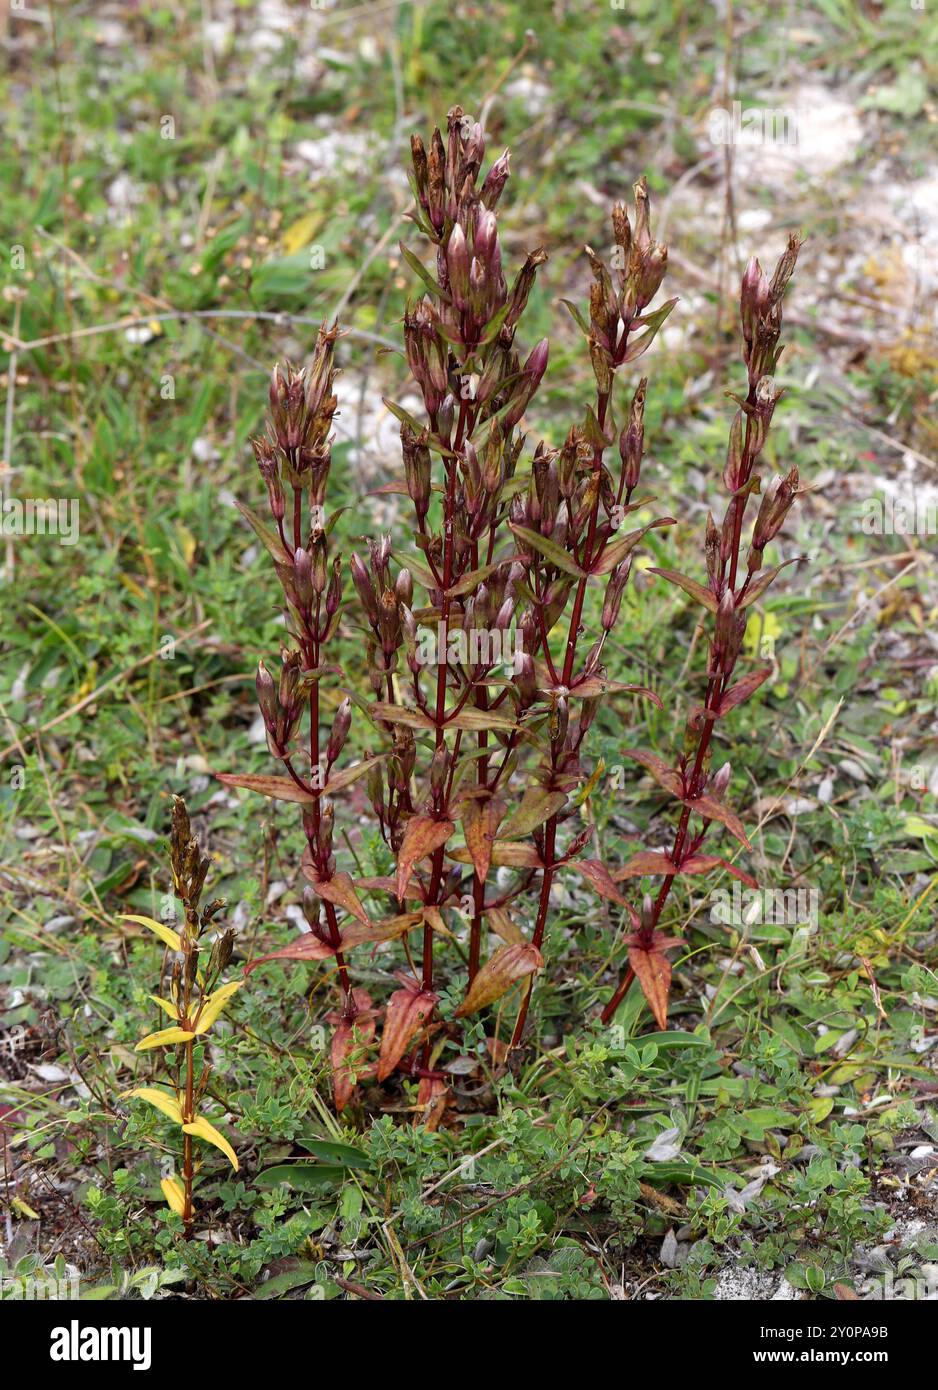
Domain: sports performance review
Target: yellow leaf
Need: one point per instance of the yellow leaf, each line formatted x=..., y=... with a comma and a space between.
x=20, y=1206
x=160, y=1099
x=203, y=1130
x=172, y=1191
x=164, y=932
x=163, y=1038
x=214, y=1004
x=166, y=1005
x=187, y=543
x=301, y=233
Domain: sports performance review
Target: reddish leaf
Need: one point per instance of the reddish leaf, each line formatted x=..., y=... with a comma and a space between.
x=351, y=1037
x=711, y=809
x=306, y=947
x=433, y=1096
x=703, y=863
x=338, y=780
x=647, y=861
x=408, y=1011
x=743, y=689
x=385, y=884
x=338, y=890
x=512, y=854
x=662, y=772
x=280, y=788
x=599, y=877
x=615, y=551
x=480, y=821
x=653, y=972
x=508, y=965
x=690, y=586
x=389, y=929
x=421, y=837
x=763, y=582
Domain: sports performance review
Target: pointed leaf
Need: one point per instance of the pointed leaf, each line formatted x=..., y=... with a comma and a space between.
x=214, y=1004
x=279, y=788
x=690, y=586
x=351, y=1038
x=647, y=861
x=537, y=806
x=164, y=1038
x=663, y=773
x=306, y=947
x=765, y=579
x=166, y=1005
x=408, y=1011
x=711, y=809
x=508, y=965
x=512, y=854
x=422, y=836
x=653, y=324
x=348, y=775
x=400, y=714
x=338, y=890
x=743, y=689
x=615, y=551
x=174, y=1194
x=203, y=1130
x=549, y=549
x=653, y=972
x=166, y=1103
x=480, y=821
x=596, y=874
x=704, y=863
x=502, y=925
x=373, y=933
x=268, y=537
x=159, y=929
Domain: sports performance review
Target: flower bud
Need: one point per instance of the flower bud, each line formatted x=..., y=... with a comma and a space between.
x=364, y=588
x=340, y=727
x=303, y=578
x=266, y=695
x=495, y=181
x=632, y=438
x=439, y=770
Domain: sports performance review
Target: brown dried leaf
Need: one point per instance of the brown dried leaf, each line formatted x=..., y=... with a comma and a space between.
x=647, y=861
x=502, y=925
x=508, y=965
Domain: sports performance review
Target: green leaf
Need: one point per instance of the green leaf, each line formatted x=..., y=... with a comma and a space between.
x=549, y=549
x=302, y=1177
x=339, y=1155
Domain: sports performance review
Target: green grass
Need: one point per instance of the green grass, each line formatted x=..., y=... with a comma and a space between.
x=164, y=607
